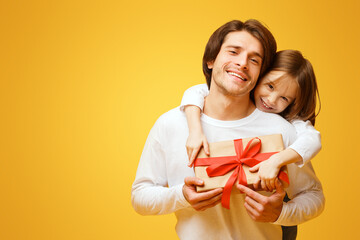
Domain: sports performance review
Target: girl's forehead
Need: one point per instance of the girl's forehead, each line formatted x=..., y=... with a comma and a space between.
x=274, y=75
x=279, y=78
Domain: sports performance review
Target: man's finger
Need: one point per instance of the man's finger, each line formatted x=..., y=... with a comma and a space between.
x=208, y=194
x=201, y=200
x=256, y=185
x=211, y=205
x=251, y=211
x=202, y=205
x=254, y=204
x=195, y=197
x=193, y=181
x=254, y=195
x=279, y=187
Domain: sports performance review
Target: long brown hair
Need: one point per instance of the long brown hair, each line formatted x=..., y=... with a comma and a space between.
x=252, y=26
x=295, y=65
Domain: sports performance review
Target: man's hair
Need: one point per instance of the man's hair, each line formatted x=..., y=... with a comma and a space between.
x=252, y=26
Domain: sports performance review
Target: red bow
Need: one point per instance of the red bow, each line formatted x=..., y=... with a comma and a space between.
x=249, y=156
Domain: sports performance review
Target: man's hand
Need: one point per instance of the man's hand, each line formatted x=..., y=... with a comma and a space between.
x=200, y=201
x=262, y=208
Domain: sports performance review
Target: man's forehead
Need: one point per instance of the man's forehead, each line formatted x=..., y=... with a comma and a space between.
x=244, y=39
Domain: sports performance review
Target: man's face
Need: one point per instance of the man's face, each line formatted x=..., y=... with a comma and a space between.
x=237, y=65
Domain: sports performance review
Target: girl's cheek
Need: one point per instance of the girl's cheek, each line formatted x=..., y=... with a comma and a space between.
x=260, y=89
x=285, y=106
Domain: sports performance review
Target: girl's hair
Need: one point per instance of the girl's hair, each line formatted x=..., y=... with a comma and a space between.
x=295, y=65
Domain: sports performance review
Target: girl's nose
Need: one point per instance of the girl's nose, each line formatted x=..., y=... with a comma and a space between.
x=272, y=99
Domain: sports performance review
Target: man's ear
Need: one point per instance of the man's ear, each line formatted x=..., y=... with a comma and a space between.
x=210, y=64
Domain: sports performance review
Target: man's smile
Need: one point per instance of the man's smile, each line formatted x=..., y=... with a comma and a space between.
x=237, y=75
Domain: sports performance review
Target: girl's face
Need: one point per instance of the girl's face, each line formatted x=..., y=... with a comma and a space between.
x=275, y=92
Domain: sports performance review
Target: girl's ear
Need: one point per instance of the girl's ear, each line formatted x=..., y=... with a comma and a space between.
x=210, y=64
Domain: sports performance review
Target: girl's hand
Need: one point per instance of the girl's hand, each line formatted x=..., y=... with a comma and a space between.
x=195, y=141
x=268, y=171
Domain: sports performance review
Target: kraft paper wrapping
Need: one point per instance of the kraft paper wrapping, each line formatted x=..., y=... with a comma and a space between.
x=269, y=143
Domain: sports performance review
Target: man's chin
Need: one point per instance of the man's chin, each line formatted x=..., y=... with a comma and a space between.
x=236, y=91
x=233, y=88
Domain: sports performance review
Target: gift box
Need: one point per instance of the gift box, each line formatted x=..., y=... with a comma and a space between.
x=230, y=161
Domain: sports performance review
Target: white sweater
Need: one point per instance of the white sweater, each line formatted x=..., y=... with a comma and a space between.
x=157, y=188
x=308, y=141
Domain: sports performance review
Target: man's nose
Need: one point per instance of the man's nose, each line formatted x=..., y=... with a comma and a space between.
x=242, y=61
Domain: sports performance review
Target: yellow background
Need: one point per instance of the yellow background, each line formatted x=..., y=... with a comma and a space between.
x=82, y=83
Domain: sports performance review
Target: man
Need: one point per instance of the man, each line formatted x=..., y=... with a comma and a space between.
x=236, y=55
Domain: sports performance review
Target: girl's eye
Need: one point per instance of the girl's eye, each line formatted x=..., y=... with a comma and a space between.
x=254, y=61
x=232, y=52
x=285, y=99
x=271, y=86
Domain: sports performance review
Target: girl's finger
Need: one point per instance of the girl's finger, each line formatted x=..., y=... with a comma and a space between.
x=272, y=183
x=268, y=185
x=189, y=152
x=194, y=153
x=254, y=168
x=191, y=158
x=206, y=147
x=263, y=185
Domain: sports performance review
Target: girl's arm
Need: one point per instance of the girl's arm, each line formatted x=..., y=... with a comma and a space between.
x=308, y=141
x=192, y=103
x=194, y=96
x=196, y=137
x=306, y=146
x=268, y=170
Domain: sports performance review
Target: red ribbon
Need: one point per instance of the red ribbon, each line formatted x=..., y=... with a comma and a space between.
x=250, y=156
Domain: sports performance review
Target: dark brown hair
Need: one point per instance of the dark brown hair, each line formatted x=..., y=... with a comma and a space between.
x=295, y=65
x=252, y=26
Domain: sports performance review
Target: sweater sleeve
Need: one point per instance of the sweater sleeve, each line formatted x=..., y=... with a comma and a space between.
x=306, y=194
x=150, y=194
x=195, y=96
x=308, y=142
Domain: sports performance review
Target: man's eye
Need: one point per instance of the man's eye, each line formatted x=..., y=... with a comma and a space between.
x=232, y=52
x=254, y=61
x=270, y=86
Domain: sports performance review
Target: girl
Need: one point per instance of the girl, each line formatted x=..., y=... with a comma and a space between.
x=288, y=89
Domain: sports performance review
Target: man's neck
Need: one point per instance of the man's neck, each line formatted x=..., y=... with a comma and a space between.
x=227, y=107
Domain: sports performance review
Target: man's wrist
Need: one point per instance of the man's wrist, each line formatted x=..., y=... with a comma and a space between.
x=280, y=218
x=182, y=197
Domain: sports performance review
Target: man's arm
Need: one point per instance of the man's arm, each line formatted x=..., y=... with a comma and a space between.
x=306, y=194
x=305, y=191
x=150, y=194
